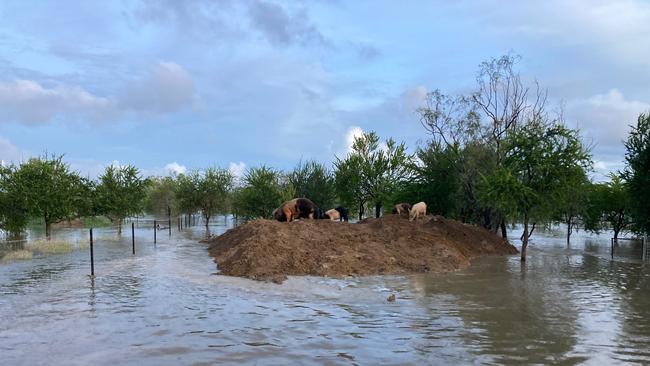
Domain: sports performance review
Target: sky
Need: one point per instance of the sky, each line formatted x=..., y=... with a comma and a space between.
x=172, y=85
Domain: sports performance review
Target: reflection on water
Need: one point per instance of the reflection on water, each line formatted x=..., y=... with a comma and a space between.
x=165, y=306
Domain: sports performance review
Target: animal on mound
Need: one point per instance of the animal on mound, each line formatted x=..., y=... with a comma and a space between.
x=418, y=210
x=343, y=212
x=340, y=213
x=297, y=208
x=332, y=215
x=401, y=208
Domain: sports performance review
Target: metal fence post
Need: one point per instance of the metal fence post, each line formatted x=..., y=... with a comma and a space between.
x=133, y=237
x=92, y=255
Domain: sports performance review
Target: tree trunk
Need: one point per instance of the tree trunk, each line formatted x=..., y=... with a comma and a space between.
x=569, y=230
x=504, y=230
x=377, y=209
x=360, y=211
x=207, y=221
x=48, y=230
x=119, y=227
x=616, y=231
x=524, y=241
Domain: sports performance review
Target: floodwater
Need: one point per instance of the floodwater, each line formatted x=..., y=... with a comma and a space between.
x=165, y=305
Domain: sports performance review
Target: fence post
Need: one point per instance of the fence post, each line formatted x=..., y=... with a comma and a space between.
x=169, y=218
x=92, y=255
x=155, y=230
x=133, y=237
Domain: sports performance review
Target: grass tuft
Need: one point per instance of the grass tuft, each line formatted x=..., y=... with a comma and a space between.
x=50, y=246
x=17, y=255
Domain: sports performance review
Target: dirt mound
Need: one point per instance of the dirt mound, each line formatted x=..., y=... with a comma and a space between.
x=270, y=250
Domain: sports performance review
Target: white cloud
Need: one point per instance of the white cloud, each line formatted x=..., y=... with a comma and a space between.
x=606, y=117
x=175, y=168
x=600, y=165
x=9, y=153
x=614, y=29
x=237, y=169
x=168, y=88
x=352, y=133
x=29, y=102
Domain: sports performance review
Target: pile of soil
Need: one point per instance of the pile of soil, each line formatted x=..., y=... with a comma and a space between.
x=270, y=250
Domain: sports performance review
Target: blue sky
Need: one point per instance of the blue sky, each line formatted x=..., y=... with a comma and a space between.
x=170, y=85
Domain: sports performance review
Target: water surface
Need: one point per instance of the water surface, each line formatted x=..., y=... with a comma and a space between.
x=165, y=305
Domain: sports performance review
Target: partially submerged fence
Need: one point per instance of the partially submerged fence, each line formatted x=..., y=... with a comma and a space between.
x=75, y=239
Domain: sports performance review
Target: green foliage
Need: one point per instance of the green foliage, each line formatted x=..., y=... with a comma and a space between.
x=348, y=184
x=435, y=181
x=537, y=160
x=214, y=187
x=610, y=206
x=571, y=201
x=186, y=192
x=638, y=172
x=121, y=193
x=370, y=173
x=161, y=195
x=314, y=181
x=208, y=192
x=49, y=190
x=264, y=189
x=13, y=205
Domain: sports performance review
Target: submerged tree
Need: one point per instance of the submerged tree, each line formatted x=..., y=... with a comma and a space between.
x=638, y=172
x=475, y=128
x=572, y=200
x=121, y=193
x=49, y=190
x=13, y=205
x=161, y=195
x=610, y=206
x=528, y=183
x=214, y=187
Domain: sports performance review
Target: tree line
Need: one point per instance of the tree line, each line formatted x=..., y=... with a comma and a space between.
x=493, y=157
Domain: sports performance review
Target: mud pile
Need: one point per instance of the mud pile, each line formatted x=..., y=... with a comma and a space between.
x=270, y=250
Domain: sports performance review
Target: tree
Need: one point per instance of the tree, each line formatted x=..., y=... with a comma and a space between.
x=610, y=206
x=572, y=199
x=347, y=184
x=637, y=172
x=373, y=172
x=214, y=187
x=264, y=189
x=13, y=206
x=161, y=195
x=314, y=181
x=528, y=183
x=121, y=193
x=49, y=190
x=186, y=193
x=475, y=127
x=434, y=181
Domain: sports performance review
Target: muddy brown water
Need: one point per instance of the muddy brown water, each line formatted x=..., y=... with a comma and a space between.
x=165, y=305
